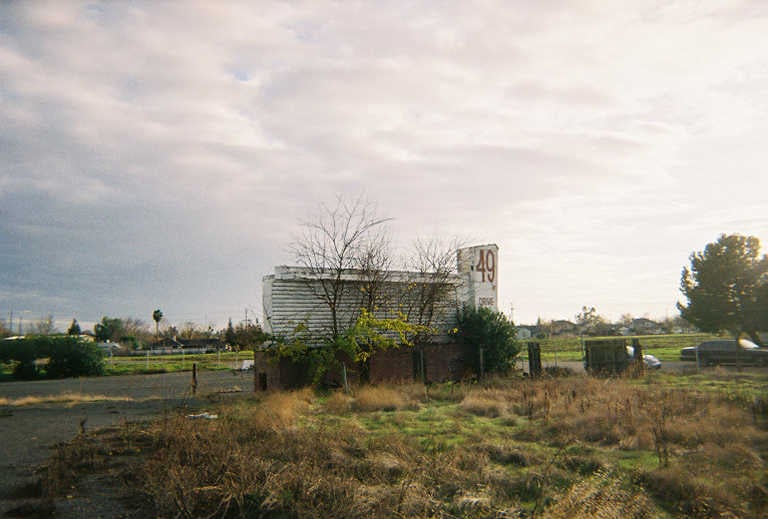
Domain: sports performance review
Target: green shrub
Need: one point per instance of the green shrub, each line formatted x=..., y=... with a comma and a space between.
x=70, y=357
x=22, y=355
x=492, y=333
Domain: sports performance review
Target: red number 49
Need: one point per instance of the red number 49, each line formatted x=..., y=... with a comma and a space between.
x=487, y=265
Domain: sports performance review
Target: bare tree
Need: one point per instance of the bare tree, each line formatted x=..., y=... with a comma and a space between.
x=44, y=326
x=375, y=267
x=337, y=244
x=5, y=329
x=426, y=297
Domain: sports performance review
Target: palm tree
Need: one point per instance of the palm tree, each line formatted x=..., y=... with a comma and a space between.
x=157, y=315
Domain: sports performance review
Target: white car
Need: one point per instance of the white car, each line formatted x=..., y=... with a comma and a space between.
x=650, y=361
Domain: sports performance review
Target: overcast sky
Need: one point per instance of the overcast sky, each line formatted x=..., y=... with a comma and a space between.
x=162, y=154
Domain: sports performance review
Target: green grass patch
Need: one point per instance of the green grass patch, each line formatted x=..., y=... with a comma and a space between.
x=134, y=365
x=664, y=347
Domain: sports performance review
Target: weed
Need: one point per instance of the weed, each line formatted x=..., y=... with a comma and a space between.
x=484, y=403
x=602, y=495
x=380, y=398
x=64, y=398
x=564, y=447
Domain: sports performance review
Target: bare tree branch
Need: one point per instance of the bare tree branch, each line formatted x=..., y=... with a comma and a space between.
x=346, y=238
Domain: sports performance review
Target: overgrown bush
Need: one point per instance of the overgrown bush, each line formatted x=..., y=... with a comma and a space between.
x=21, y=353
x=71, y=357
x=68, y=356
x=484, y=330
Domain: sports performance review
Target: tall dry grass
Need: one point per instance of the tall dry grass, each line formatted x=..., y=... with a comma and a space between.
x=63, y=398
x=486, y=402
x=602, y=496
x=381, y=398
x=547, y=448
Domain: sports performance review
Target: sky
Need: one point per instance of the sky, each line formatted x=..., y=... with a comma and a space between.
x=164, y=154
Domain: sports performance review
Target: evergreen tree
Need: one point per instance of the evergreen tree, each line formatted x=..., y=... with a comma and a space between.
x=74, y=328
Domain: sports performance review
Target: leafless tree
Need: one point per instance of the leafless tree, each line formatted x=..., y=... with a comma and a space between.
x=44, y=326
x=427, y=297
x=375, y=267
x=343, y=241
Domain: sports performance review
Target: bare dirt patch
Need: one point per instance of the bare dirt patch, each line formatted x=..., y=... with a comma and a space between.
x=37, y=416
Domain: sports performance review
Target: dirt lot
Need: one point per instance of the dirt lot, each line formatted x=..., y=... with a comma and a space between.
x=29, y=432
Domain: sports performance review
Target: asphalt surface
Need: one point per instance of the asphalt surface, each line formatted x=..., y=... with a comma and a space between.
x=28, y=433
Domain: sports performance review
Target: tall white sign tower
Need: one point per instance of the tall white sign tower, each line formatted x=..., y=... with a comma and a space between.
x=480, y=265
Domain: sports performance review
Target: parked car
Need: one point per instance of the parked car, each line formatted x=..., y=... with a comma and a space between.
x=724, y=351
x=650, y=361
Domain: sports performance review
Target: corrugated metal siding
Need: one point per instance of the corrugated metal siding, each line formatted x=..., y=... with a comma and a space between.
x=292, y=297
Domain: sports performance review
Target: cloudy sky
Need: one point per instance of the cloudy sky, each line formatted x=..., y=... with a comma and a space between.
x=162, y=154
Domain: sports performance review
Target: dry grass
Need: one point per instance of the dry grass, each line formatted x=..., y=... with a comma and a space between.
x=338, y=403
x=574, y=447
x=64, y=398
x=381, y=398
x=602, y=496
x=486, y=402
x=278, y=411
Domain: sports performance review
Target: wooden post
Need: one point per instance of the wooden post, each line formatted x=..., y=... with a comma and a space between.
x=422, y=371
x=639, y=360
x=534, y=359
x=194, y=378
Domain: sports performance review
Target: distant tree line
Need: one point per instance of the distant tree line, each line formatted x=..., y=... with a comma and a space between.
x=588, y=322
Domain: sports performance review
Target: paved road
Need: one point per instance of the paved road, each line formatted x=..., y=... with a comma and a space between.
x=667, y=366
x=27, y=433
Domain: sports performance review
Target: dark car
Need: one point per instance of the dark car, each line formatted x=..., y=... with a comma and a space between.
x=724, y=351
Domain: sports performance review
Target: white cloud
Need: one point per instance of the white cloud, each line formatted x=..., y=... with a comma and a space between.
x=168, y=150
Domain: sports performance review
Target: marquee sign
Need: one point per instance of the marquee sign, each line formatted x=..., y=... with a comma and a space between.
x=481, y=264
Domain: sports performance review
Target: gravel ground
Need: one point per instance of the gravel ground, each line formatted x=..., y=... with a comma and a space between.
x=29, y=432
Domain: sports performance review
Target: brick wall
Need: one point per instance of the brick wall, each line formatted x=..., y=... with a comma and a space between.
x=444, y=362
x=392, y=365
x=283, y=374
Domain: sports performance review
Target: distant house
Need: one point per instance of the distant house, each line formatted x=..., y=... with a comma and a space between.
x=206, y=343
x=643, y=326
x=109, y=347
x=524, y=332
x=563, y=327
x=201, y=345
x=167, y=343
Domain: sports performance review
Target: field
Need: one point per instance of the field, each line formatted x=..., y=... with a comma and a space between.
x=659, y=446
x=174, y=363
x=664, y=347
x=123, y=365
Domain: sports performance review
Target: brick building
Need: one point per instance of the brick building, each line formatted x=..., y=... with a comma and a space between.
x=293, y=299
